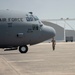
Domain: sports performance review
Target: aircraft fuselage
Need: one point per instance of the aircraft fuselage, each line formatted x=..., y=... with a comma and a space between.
x=19, y=29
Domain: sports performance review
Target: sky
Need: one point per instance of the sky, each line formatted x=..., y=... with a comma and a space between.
x=44, y=9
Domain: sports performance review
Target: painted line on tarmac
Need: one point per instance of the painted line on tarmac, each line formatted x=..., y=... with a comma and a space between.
x=28, y=60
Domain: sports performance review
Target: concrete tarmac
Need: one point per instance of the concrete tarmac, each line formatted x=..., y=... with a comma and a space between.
x=40, y=60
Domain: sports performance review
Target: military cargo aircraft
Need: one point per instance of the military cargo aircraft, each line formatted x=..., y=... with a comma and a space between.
x=19, y=29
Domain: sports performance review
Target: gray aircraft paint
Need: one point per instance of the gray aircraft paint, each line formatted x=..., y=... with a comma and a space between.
x=15, y=30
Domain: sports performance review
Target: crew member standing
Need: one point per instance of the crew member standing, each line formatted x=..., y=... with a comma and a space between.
x=53, y=43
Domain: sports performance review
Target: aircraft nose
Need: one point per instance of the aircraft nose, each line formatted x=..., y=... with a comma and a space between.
x=49, y=32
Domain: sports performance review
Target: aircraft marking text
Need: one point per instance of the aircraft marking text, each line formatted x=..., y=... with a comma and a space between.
x=11, y=19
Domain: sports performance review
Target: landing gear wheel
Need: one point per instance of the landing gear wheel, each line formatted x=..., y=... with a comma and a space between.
x=23, y=49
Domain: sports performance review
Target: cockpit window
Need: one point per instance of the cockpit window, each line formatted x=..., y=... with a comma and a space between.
x=36, y=18
x=31, y=18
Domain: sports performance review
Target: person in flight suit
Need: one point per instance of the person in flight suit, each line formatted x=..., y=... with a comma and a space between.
x=53, y=43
